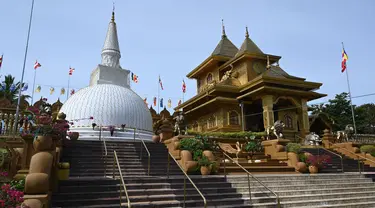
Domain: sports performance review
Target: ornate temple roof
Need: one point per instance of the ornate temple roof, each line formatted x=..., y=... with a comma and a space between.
x=249, y=46
x=225, y=47
x=111, y=51
x=277, y=71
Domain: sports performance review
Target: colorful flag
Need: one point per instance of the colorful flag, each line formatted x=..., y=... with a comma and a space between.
x=62, y=92
x=24, y=87
x=145, y=100
x=51, y=90
x=38, y=88
x=72, y=92
x=344, y=59
x=12, y=87
x=1, y=60
x=161, y=84
x=183, y=86
x=161, y=102
x=71, y=70
x=179, y=102
x=134, y=78
x=169, y=103
x=154, y=101
x=37, y=64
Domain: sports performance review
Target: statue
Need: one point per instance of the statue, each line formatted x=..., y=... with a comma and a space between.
x=180, y=125
x=313, y=139
x=346, y=135
x=239, y=148
x=276, y=129
x=227, y=75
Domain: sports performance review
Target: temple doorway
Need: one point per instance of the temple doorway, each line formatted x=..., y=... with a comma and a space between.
x=253, y=114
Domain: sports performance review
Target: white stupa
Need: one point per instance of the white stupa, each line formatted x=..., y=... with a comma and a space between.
x=108, y=99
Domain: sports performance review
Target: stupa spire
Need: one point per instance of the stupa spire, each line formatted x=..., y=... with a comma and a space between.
x=223, y=35
x=111, y=51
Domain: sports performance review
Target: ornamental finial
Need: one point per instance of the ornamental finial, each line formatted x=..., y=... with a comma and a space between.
x=247, y=33
x=223, y=35
x=113, y=13
x=268, y=62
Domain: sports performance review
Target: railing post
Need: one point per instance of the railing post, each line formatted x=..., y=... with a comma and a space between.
x=121, y=196
x=134, y=134
x=184, y=191
x=114, y=161
x=169, y=159
x=225, y=170
x=248, y=182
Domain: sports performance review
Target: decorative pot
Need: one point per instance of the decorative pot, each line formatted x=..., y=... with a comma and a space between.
x=205, y=170
x=63, y=171
x=301, y=167
x=74, y=136
x=43, y=142
x=156, y=138
x=313, y=169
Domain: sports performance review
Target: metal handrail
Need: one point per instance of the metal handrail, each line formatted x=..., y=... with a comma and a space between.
x=186, y=176
x=149, y=155
x=358, y=156
x=116, y=162
x=248, y=179
x=342, y=161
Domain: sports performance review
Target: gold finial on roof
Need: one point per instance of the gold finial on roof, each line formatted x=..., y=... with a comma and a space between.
x=113, y=13
x=223, y=35
x=247, y=33
x=268, y=62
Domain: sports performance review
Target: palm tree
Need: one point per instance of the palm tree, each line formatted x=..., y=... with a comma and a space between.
x=10, y=90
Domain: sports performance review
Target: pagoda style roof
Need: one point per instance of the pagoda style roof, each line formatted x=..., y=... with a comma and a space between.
x=277, y=71
x=225, y=48
x=249, y=46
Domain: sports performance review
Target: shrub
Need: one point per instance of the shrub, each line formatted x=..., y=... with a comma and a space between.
x=318, y=160
x=203, y=161
x=195, y=146
x=373, y=154
x=238, y=135
x=293, y=147
x=368, y=149
x=302, y=157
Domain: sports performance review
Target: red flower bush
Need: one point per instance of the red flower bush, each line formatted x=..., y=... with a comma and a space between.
x=10, y=197
x=319, y=161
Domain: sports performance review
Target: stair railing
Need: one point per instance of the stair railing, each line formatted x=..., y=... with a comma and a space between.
x=186, y=177
x=342, y=161
x=248, y=179
x=148, y=153
x=358, y=156
x=116, y=163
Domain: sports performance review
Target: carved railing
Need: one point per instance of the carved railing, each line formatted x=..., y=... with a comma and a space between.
x=359, y=138
x=7, y=121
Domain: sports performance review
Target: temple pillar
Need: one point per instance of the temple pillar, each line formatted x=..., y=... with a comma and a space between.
x=268, y=118
x=305, y=124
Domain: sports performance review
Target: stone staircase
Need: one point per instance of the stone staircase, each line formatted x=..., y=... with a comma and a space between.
x=350, y=165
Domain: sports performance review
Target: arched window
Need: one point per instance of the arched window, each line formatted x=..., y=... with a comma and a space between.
x=233, y=118
x=211, y=122
x=209, y=78
x=288, y=122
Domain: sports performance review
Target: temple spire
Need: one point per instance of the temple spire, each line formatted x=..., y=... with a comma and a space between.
x=111, y=51
x=247, y=33
x=223, y=35
x=113, y=13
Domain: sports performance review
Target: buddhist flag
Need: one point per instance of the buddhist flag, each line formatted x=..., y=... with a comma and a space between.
x=134, y=78
x=161, y=102
x=62, y=91
x=37, y=64
x=179, y=102
x=183, y=86
x=169, y=103
x=1, y=60
x=51, y=90
x=38, y=88
x=154, y=101
x=344, y=59
x=161, y=84
x=145, y=100
x=12, y=88
x=72, y=92
x=24, y=87
x=71, y=70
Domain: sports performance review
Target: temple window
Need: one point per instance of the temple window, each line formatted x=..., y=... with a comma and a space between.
x=233, y=118
x=288, y=122
x=209, y=78
x=211, y=122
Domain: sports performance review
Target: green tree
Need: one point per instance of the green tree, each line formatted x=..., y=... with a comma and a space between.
x=10, y=90
x=365, y=118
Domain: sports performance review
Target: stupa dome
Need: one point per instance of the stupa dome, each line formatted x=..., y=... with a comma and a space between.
x=108, y=104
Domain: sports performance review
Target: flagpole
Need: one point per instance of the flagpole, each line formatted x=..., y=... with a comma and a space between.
x=32, y=94
x=67, y=94
x=23, y=69
x=158, y=94
x=350, y=96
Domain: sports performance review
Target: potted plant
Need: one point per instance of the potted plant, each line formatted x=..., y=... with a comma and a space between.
x=73, y=135
x=316, y=162
x=63, y=171
x=252, y=147
x=205, y=165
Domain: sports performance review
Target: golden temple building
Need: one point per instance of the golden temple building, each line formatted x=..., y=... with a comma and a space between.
x=246, y=90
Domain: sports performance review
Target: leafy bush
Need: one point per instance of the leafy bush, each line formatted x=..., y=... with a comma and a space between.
x=368, y=149
x=293, y=147
x=318, y=160
x=373, y=154
x=302, y=157
x=203, y=161
x=195, y=146
x=238, y=135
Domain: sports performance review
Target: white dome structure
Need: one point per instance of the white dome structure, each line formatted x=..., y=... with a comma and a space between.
x=108, y=105
x=108, y=99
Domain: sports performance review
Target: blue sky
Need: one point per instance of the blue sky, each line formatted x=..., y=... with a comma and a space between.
x=171, y=38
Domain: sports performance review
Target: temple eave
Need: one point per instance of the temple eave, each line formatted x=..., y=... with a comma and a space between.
x=212, y=59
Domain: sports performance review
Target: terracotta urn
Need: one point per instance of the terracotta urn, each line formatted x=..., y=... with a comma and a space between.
x=313, y=169
x=43, y=143
x=301, y=167
x=156, y=138
x=74, y=136
x=205, y=170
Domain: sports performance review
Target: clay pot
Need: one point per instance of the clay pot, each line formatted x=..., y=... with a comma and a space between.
x=205, y=170
x=156, y=138
x=313, y=169
x=74, y=136
x=43, y=143
x=301, y=167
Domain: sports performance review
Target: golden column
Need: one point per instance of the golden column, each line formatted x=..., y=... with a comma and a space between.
x=268, y=118
x=305, y=128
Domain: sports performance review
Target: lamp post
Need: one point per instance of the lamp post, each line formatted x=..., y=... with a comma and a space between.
x=23, y=69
